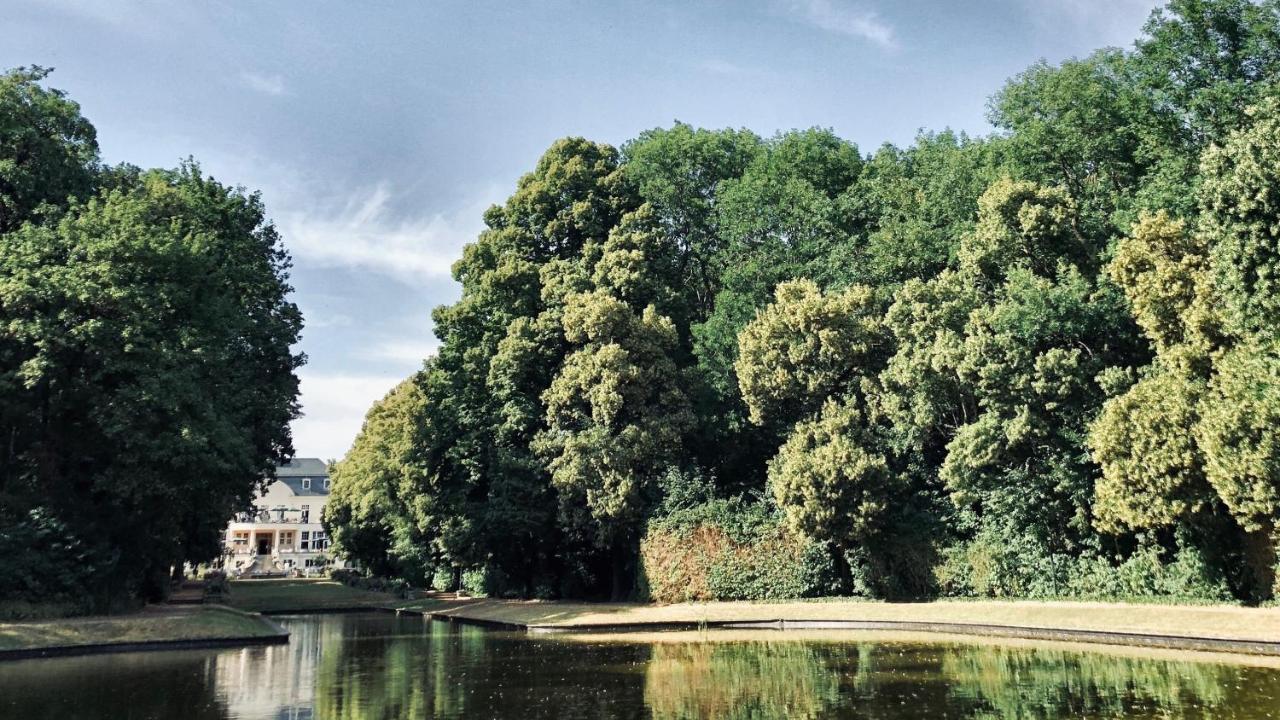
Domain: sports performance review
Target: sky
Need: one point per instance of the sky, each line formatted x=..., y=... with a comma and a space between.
x=378, y=132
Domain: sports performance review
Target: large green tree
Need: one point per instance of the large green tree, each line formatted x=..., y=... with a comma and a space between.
x=146, y=371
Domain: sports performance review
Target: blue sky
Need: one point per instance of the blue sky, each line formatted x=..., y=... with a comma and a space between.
x=379, y=131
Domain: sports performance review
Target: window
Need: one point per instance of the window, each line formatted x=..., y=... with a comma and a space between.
x=306, y=483
x=286, y=539
x=320, y=541
x=240, y=538
x=305, y=542
x=306, y=517
x=326, y=483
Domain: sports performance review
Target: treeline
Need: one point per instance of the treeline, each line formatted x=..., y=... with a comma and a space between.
x=709, y=364
x=146, y=371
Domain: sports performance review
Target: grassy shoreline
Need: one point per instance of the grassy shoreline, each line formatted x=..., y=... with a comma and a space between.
x=1226, y=623
x=152, y=626
x=1205, y=621
x=304, y=595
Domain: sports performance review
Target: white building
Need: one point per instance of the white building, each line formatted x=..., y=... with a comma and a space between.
x=283, y=534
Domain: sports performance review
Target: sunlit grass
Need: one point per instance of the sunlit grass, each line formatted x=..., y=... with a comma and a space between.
x=201, y=623
x=302, y=595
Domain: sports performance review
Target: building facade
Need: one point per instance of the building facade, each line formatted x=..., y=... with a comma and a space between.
x=282, y=534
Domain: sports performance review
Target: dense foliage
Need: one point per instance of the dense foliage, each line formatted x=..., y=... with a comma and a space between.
x=1039, y=363
x=146, y=371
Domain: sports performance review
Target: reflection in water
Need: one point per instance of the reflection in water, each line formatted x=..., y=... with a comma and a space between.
x=380, y=666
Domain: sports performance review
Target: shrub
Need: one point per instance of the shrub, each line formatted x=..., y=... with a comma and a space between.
x=43, y=562
x=475, y=582
x=999, y=565
x=488, y=581
x=216, y=586
x=731, y=550
x=442, y=579
x=346, y=576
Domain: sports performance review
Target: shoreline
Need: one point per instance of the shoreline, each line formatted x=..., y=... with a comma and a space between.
x=257, y=629
x=1202, y=628
x=1226, y=629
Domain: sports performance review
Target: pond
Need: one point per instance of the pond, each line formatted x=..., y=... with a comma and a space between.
x=372, y=666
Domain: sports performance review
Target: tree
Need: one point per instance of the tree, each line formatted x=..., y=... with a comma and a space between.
x=805, y=347
x=1207, y=61
x=146, y=370
x=48, y=150
x=1205, y=298
x=368, y=513
x=829, y=479
x=1083, y=125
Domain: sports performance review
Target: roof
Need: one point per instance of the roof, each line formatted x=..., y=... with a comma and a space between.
x=295, y=471
x=303, y=467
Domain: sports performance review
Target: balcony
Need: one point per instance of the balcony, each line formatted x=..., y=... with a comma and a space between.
x=278, y=517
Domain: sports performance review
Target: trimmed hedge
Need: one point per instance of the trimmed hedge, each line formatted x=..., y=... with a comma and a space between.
x=730, y=550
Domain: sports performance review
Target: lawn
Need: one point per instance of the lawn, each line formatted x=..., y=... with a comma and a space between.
x=302, y=596
x=157, y=623
x=1213, y=621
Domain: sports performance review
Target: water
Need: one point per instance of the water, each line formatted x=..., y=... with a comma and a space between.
x=380, y=666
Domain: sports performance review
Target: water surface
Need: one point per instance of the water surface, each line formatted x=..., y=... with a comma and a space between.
x=381, y=666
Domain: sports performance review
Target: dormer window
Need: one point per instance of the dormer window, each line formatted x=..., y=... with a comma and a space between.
x=326, y=483
x=306, y=483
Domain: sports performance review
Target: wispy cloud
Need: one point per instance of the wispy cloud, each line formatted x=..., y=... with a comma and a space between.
x=718, y=66
x=407, y=351
x=333, y=407
x=266, y=84
x=842, y=18
x=366, y=233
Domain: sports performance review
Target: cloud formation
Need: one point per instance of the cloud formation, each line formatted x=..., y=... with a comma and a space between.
x=266, y=84
x=333, y=408
x=406, y=351
x=366, y=233
x=843, y=18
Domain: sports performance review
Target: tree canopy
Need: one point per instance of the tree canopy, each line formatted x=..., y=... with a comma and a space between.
x=146, y=362
x=1041, y=362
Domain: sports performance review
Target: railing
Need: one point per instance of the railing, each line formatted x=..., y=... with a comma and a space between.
x=295, y=518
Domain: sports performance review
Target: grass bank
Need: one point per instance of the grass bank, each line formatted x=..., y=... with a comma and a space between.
x=152, y=625
x=1200, y=621
x=303, y=595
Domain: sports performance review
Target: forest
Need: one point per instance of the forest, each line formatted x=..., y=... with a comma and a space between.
x=706, y=364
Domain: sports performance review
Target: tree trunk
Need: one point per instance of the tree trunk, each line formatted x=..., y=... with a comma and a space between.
x=1260, y=554
x=622, y=557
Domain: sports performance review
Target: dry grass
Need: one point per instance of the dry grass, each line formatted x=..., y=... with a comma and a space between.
x=1212, y=621
x=178, y=623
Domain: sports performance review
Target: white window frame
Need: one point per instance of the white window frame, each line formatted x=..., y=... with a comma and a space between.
x=306, y=483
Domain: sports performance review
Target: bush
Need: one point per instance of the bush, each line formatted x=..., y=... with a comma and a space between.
x=731, y=550
x=487, y=581
x=996, y=565
x=345, y=576
x=44, y=563
x=216, y=586
x=442, y=579
x=14, y=610
x=354, y=578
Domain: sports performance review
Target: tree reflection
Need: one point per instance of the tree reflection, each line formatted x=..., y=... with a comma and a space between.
x=369, y=667
x=791, y=679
